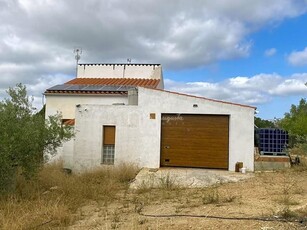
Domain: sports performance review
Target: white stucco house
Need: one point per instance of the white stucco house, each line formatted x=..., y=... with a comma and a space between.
x=101, y=84
x=121, y=113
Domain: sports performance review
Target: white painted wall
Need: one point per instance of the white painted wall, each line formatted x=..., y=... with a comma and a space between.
x=67, y=154
x=138, y=137
x=66, y=103
x=119, y=71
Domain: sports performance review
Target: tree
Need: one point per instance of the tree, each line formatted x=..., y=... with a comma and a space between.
x=25, y=136
x=295, y=121
x=262, y=123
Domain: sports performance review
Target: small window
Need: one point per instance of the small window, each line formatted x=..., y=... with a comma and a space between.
x=68, y=122
x=108, y=148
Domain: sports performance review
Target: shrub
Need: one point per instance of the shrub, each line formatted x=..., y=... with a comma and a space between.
x=211, y=196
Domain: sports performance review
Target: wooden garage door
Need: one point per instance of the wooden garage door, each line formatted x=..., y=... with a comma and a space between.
x=195, y=141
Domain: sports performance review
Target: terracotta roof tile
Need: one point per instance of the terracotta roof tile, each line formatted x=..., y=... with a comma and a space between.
x=151, y=83
x=115, y=86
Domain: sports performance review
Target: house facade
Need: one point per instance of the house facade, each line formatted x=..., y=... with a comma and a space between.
x=166, y=129
x=150, y=126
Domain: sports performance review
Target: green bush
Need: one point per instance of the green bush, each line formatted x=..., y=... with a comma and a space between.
x=25, y=136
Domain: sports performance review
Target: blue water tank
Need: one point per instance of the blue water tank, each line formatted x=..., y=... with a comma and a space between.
x=271, y=141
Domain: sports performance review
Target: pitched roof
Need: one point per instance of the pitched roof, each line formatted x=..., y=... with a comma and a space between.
x=205, y=98
x=115, y=86
x=152, y=83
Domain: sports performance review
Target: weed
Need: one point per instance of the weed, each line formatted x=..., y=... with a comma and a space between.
x=116, y=217
x=144, y=187
x=302, y=166
x=142, y=221
x=167, y=182
x=179, y=208
x=125, y=204
x=211, y=196
x=230, y=198
x=289, y=186
x=125, y=172
x=114, y=225
x=138, y=207
x=287, y=213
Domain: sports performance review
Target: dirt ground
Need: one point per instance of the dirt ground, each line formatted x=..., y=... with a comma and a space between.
x=262, y=201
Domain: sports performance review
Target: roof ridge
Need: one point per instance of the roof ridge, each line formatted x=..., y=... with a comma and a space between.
x=133, y=64
x=115, y=78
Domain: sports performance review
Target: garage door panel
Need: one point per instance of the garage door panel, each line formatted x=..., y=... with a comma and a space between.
x=183, y=127
x=195, y=141
x=204, y=135
x=184, y=144
x=177, y=133
x=192, y=120
x=202, y=141
x=193, y=160
x=193, y=155
x=177, y=125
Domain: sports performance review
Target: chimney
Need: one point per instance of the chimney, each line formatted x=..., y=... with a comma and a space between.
x=133, y=96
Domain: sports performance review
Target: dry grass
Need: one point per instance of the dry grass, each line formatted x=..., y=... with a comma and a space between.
x=101, y=199
x=300, y=150
x=168, y=182
x=53, y=198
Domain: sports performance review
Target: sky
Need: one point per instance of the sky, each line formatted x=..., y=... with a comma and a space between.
x=244, y=51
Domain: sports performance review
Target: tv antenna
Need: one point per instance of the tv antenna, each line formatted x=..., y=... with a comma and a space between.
x=78, y=52
x=129, y=60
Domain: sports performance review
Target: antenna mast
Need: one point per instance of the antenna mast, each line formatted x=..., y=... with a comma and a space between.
x=78, y=52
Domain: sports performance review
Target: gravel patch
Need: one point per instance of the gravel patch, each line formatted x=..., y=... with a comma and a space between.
x=186, y=177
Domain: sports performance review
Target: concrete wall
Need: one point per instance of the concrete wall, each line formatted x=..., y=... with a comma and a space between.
x=119, y=71
x=270, y=163
x=138, y=137
x=66, y=103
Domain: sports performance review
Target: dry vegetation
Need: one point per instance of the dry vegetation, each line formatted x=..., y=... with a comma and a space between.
x=54, y=197
x=102, y=199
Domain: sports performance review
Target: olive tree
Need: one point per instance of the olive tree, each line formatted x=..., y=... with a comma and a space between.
x=295, y=121
x=25, y=136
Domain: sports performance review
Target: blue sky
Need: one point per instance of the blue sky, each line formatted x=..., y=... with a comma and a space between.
x=243, y=51
x=281, y=39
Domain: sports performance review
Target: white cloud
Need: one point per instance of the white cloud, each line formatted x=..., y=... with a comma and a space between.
x=270, y=52
x=178, y=34
x=298, y=58
x=37, y=88
x=37, y=37
x=255, y=90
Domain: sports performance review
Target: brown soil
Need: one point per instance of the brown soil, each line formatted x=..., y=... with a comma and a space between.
x=273, y=195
